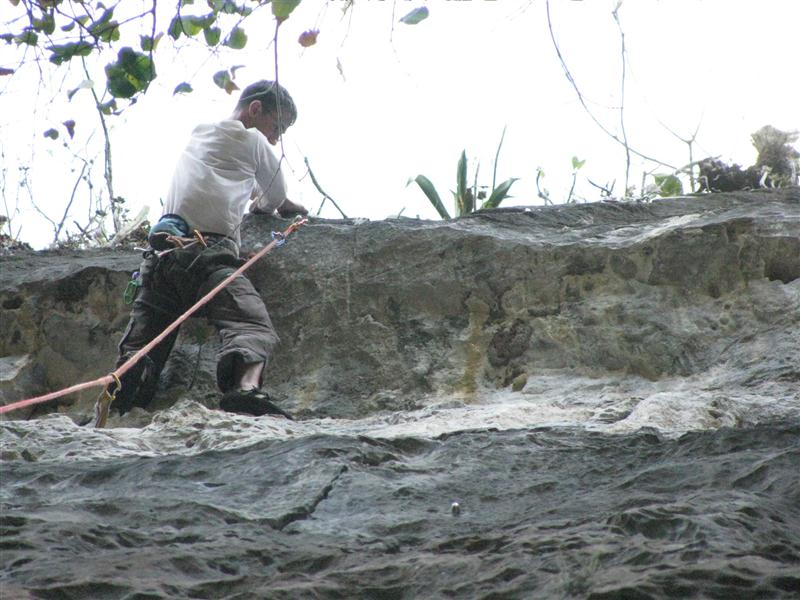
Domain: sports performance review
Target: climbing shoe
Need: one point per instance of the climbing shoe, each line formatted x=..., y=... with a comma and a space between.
x=251, y=402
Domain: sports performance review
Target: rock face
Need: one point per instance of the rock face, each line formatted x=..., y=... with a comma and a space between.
x=609, y=392
x=389, y=315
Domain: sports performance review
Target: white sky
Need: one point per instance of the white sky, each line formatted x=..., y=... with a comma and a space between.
x=413, y=97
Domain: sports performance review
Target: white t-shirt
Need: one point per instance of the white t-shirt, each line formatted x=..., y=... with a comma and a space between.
x=217, y=173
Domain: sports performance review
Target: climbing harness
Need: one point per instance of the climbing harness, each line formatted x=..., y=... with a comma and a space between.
x=106, y=397
x=170, y=243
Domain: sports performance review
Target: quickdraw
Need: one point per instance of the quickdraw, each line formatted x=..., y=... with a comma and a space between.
x=104, y=402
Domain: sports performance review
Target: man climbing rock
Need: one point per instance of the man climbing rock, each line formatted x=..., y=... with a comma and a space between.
x=224, y=166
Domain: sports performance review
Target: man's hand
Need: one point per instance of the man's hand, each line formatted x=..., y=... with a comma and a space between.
x=291, y=209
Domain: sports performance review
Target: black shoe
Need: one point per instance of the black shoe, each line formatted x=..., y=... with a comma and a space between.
x=251, y=402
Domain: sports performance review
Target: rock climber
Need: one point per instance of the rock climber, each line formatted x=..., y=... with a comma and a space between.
x=224, y=166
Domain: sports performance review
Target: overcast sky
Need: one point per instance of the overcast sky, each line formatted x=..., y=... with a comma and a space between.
x=381, y=101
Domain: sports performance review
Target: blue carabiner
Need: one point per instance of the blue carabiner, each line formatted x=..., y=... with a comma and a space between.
x=279, y=238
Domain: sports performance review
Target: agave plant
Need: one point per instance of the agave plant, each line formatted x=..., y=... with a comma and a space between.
x=466, y=196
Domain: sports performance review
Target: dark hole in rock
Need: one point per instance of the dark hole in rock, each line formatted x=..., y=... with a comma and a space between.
x=12, y=303
x=782, y=269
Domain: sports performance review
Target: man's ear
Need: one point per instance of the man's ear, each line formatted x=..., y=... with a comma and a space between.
x=254, y=108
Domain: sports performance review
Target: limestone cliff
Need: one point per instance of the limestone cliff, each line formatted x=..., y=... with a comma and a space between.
x=396, y=314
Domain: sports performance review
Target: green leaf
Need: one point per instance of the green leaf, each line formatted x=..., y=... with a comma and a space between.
x=668, y=185
x=148, y=44
x=577, y=164
x=64, y=52
x=182, y=88
x=47, y=24
x=51, y=133
x=415, y=16
x=212, y=35
x=237, y=39
x=497, y=158
x=224, y=6
x=461, y=186
x=281, y=9
x=109, y=107
x=190, y=25
x=175, y=28
x=223, y=80
x=499, y=193
x=427, y=188
x=28, y=37
x=104, y=28
x=131, y=74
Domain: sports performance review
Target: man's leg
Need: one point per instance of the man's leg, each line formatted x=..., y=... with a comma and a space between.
x=156, y=306
x=140, y=382
x=249, y=375
x=247, y=340
x=247, y=336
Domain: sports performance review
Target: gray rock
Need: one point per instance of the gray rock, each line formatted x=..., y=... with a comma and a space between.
x=396, y=314
x=670, y=329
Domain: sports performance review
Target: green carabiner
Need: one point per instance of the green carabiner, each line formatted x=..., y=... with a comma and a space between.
x=130, y=290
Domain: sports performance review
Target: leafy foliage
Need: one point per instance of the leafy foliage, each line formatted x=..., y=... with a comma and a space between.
x=668, y=185
x=115, y=50
x=433, y=196
x=466, y=196
x=281, y=9
x=131, y=74
x=61, y=53
x=63, y=30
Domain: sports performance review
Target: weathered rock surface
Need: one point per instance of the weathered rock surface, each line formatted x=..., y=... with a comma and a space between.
x=390, y=315
x=610, y=392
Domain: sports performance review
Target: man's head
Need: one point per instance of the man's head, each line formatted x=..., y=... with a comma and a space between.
x=268, y=107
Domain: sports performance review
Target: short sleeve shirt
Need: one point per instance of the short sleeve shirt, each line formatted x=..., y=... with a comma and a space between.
x=217, y=173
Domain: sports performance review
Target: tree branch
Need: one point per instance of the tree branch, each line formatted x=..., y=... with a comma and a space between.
x=615, y=13
x=583, y=102
x=60, y=226
x=321, y=191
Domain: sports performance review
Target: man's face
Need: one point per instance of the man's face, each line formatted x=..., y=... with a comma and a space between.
x=270, y=125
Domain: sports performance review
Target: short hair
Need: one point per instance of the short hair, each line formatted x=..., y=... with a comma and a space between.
x=271, y=95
